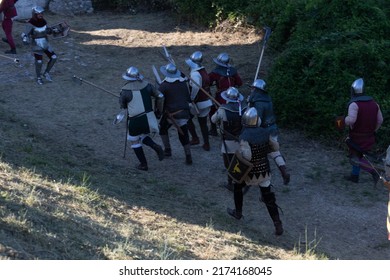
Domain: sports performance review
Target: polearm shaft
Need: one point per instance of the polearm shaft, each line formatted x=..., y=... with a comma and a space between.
x=11, y=58
x=265, y=39
x=96, y=86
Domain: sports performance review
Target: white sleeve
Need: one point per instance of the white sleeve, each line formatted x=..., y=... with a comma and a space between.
x=197, y=78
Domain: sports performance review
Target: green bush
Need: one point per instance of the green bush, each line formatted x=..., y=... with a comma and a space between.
x=330, y=45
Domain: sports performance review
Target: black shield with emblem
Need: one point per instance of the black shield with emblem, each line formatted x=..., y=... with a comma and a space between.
x=239, y=168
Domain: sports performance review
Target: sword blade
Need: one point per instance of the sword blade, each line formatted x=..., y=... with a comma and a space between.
x=156, y=75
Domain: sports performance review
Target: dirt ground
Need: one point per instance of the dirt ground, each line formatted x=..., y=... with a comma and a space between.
x=320, y=209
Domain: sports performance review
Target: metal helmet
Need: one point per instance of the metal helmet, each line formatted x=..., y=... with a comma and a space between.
x=259, y=84
x=37, y=10
x=132, y=74
x=222, y=59
x=197, y=57
x=195, y=60
x=170, y=70
x=357, y=87
x=232, y=93
x=251, y=118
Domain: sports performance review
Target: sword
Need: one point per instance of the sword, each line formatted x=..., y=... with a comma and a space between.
x=173, y=121
x=156, y=75
x=127, y=131
x=168, y=56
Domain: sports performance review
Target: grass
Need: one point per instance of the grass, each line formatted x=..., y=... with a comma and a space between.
x=81, y=217
x=45, y=219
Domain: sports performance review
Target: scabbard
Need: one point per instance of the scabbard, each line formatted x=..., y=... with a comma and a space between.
x=171, y=118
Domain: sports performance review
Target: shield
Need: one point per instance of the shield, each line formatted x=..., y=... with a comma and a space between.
x=239, y=168
x=60, y=30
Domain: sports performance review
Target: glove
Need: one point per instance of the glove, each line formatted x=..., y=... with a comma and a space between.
x=25, y=39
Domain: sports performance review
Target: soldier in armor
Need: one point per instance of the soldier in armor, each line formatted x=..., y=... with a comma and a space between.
x=364, y=119
x=37, y=33
x=255, y=144
x=136, y=97
x=228, y=118
x=176, y=111
x=200, y=102
x=223, y=76
x=7, y=7
x=262, y=101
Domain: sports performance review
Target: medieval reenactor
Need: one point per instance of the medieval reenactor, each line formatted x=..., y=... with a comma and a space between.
x=37, y=33
x=176, y=111
x=228, y=118
x=7, y=7
x=262, y=101
x=255, y=144
x=136, y=96
x=364, y=119
x=223, y=76
x=200, y=102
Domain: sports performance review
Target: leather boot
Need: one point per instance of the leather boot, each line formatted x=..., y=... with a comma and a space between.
x=205, y=134
x=159, y=151
x=157, y=148
x=285, y=175
x=234, y=213
x=167, y=145
x=139, y=152
x=352, y=178
x=187, y=152
x=194, y=136
x=269, y=200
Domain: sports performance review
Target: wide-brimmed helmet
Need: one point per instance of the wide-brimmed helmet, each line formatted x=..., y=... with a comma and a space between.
x=259, y=84
x=222, y=59
x=132, y=74
x=232, y=95
x=170, y=71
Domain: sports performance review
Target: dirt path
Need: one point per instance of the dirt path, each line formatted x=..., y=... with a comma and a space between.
x=344, y=221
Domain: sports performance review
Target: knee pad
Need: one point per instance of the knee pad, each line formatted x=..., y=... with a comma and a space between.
x=135, y=145
x=134, y=140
